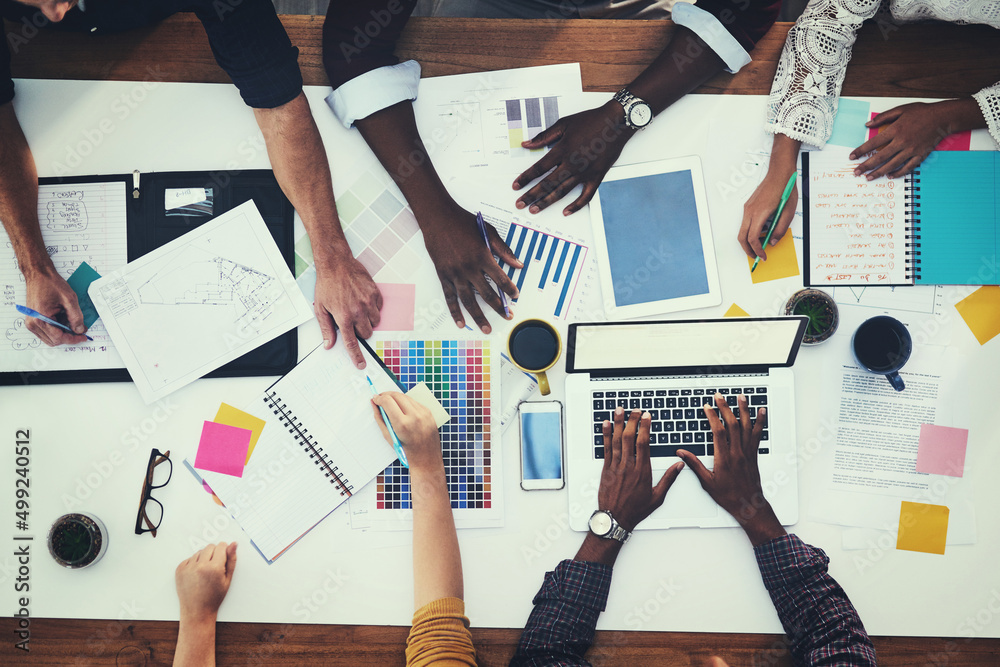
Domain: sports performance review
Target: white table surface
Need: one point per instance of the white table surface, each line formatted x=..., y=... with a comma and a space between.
x=90, y=442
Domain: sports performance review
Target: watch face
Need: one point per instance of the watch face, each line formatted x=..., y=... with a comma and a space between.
x=640, y=115
x=600, y=523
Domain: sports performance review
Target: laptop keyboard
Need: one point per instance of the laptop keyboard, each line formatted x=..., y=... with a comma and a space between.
x=678, y=422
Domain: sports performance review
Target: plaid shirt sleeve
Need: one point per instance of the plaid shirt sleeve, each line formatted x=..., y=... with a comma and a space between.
x=561, y=626
x=822, y=625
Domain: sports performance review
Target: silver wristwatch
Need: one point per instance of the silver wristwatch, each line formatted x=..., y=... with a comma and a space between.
x=604, y=526
x=638, y=114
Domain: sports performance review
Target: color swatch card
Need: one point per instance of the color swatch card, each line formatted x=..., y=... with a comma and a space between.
x=941, y=450
x=462, y=374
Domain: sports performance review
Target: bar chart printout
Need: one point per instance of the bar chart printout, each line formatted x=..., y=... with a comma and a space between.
x=526, y=118
x=551, y=271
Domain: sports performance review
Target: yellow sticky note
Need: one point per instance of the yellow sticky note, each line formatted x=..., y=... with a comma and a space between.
x=922, y=527
x=231, y=416
x=781, y=262
x=981, y=311
x=736, y=311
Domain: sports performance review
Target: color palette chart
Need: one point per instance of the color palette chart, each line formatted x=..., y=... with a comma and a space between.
x=526, y=118
x=461, y=375
x=552, y=268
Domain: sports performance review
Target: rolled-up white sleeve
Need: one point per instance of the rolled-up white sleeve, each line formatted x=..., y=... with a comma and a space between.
x=712, y=32
x=373, y=91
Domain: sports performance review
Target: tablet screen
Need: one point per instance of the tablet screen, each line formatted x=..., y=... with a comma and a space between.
x=653, y=238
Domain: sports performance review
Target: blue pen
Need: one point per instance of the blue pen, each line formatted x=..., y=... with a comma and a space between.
x=482, y=230
x=396, y=444
x=24, y=310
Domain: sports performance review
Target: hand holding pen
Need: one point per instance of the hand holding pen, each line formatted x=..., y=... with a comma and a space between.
x=785, y=196
x=411, y=423
x=30, y=312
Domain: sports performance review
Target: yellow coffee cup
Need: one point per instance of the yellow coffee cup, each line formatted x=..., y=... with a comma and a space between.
x=534, y=346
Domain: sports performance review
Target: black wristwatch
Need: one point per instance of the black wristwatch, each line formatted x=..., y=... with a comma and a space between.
x=638, y=114
x=603, y=524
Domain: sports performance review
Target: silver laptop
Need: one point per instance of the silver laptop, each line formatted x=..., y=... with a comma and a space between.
x=669, y=369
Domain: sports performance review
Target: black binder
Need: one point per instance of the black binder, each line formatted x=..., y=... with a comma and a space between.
x=149, y=227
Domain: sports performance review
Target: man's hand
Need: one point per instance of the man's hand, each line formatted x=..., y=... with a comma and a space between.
x=415, y=427
x=347, y=298
x=583, y=148
x=627, y=489
x=910, y=132
x=735, y=482
x=52, y=296
x=463, y=261
x=203, y=581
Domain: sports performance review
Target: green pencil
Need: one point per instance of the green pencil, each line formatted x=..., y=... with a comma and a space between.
x=781, y=207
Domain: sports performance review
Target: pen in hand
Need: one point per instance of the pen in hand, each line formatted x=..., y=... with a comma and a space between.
x=777, y=215
x=482, y=230
x=30, y=312
x=396, y=444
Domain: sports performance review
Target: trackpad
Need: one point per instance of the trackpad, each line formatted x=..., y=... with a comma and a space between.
x=686, y=499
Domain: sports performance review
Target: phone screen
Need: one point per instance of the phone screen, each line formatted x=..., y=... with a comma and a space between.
x=541, y=447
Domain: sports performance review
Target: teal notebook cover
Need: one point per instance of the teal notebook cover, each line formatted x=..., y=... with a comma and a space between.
x=958, y=217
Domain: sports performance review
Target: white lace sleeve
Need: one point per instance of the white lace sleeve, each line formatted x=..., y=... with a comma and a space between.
x=989, y=103
x=811, y=69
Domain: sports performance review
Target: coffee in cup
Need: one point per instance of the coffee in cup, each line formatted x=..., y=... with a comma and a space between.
x=883, y=345
x=534, y=346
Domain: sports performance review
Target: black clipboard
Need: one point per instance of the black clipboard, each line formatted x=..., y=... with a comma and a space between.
x=150, y=225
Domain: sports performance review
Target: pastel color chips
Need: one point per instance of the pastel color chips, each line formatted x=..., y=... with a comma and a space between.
x=458, y=373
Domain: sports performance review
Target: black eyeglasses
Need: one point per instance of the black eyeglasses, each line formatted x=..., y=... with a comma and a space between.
x=150, y=509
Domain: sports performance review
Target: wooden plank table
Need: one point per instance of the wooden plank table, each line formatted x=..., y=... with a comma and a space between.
x=915, y=61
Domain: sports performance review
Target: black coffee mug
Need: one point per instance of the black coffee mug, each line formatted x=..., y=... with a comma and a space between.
x=534, y=346
x=883, y=345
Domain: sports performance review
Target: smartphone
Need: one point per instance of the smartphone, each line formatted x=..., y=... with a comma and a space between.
x=541, y=445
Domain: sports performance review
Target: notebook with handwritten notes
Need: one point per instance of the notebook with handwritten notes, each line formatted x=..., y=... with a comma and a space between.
x=938, y=225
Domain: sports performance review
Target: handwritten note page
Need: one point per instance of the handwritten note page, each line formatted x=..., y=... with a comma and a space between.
x=857, y=228
x=80, y=223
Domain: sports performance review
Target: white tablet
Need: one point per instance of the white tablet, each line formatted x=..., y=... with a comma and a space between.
x=654, y=240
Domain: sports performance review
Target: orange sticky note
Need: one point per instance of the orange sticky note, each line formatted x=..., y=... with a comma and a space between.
x=231, y=416
x=781, y=262
x=736, y=311
x=981, y=311
x=922, y=527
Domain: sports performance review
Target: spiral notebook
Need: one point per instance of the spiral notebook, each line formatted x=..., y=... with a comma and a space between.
x=940, y=225
x=320, y=444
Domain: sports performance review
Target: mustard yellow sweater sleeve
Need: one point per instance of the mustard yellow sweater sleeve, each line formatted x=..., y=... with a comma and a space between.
x=440, y=636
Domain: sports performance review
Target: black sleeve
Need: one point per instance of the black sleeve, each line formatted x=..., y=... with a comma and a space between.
x=250, y=43
x=360, y=36
x=746, y=20
x=6, y=82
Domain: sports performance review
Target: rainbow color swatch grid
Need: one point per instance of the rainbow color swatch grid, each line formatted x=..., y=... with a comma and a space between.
x=458, y=372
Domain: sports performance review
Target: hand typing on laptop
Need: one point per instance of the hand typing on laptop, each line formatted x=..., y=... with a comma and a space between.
x=734, y=482
x=822, y=624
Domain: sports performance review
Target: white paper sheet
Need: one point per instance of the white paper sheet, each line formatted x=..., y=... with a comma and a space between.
x=80, y=223
x=477, y=121
x=871, y=465
x=199, y=302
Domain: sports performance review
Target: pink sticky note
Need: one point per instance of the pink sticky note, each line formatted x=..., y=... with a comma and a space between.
x=942, y=450
x=960, y=141
x=223, y=449
x=397, y=306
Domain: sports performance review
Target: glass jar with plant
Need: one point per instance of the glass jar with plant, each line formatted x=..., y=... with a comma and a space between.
x=821, y=310
x=77, y=540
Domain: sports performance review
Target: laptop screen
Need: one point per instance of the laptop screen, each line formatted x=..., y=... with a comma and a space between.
x=685, y=346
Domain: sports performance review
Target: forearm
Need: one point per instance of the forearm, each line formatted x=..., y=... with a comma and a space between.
x=301, y=169
x=393, y=136
x=195, y=643
x=784, y=156
x=685, y=64
x=437, y=561
x=19, y=195
x=822, y=625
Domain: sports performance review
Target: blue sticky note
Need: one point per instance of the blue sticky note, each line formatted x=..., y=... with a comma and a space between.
x=80, y=282
x=849, y=125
